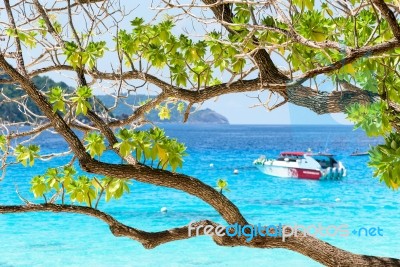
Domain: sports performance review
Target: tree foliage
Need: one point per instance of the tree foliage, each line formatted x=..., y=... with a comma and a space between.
x=295, y=50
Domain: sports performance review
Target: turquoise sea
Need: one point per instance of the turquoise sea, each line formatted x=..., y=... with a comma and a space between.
x=359, y=200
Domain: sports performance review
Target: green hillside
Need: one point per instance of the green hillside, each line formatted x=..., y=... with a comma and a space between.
x=12, y=112
x=124, y=108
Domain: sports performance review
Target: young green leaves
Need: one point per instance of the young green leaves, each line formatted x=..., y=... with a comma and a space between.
x=95, y=144
x=180, y=107
x=26, y=37
x=53, y=179
x=79, y=188
x=222, y=185
x=38, y=186
x=81, y=99
x=25, y=154
x=56, y=98
x=3, y=142
x=114, y=187
x=88, y=56
x=126, y=143
x=185, y=58
x=43, y=27
x=153, y=145
x=164, y=112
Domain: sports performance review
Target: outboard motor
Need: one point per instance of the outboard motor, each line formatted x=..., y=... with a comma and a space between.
x=328, y=173
x=335, y=173
x=341, y=172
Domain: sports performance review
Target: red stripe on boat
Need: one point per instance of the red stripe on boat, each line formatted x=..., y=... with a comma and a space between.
x=305, y=173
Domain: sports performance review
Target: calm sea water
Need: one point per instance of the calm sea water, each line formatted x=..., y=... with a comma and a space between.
x=45, y=239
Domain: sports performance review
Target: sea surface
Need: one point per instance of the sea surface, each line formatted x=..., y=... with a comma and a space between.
x=359, y=200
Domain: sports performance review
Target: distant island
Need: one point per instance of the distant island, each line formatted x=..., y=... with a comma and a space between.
x=11, y=112
x=200, y=116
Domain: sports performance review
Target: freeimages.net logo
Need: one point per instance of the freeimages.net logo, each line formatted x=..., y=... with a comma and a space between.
x=281, y=231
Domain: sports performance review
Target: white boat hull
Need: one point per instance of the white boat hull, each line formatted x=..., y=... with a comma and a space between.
x=306, y=168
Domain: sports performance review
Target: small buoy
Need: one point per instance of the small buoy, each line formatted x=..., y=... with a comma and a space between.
x=164, y=209
x=235, y=171
x=211, y=165
x=337, y=199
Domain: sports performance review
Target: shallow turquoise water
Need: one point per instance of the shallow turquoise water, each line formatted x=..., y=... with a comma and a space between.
x=44, y=239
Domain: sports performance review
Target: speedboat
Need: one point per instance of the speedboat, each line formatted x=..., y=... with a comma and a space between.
x=302, y=165
x=358, y=153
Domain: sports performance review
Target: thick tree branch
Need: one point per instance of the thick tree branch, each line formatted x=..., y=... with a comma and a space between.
x=18, y=53
x=319, y=102
x=324, y=102
x=147, y=239
x=268, y=71
x=366, y=51
x=307, y=245
x=389, y=16
x=141, y=173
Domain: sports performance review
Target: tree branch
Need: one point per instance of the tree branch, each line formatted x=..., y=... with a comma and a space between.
x=147, y=239
x=307, y=245
x=389, y=16
x=141, y=173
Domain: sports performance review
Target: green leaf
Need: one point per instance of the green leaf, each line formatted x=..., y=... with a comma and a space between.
x=372, y=118
x=126, y=145
x=137, y=22
x=116, y=188
x=222, y=185
x=53, y=178
x=3, y=142
x=82, y=190
x=385, y=159
x=56, y=98
x=27, y=154
x=180, y=107
x=68, y=173
x=38, y=186
x=164, y=113
x=238, y=65
x=95, y=144
x=93, y=51
x=82, y=94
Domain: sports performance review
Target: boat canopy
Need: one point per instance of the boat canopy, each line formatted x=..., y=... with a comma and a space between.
x=292, y=154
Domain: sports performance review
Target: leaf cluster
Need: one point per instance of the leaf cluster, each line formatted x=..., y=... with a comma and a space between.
x=372, y=118
x=27, y=154
x=385, y=159
x=151, y=145
x=79, y=188
x=78, y=57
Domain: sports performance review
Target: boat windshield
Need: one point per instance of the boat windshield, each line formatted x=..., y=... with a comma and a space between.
x=290, y=156
x=325, y=161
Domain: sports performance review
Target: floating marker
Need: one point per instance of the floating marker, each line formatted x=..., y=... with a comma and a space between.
x=337, y=199
x=211, y=165
x=164, y=209
x=235, y=171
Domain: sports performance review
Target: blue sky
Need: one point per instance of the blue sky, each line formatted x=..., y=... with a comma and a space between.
x=236, y=107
